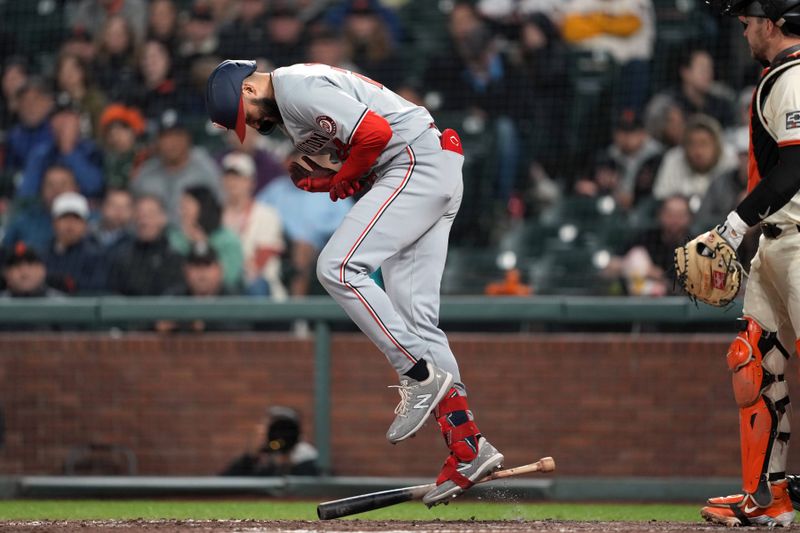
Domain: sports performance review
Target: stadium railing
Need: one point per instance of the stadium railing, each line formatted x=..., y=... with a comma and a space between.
x=322, y=312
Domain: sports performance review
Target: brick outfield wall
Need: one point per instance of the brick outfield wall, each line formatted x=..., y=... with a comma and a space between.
x=611, y=405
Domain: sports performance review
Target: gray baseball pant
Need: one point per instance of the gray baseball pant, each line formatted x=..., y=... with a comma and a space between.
x=401, y=225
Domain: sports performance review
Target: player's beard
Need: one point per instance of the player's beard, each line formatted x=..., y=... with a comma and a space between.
x=269, y=108
x=757, y=48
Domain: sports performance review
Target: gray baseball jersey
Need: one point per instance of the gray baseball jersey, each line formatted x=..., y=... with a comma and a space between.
x=323, y=106
x=401, y=224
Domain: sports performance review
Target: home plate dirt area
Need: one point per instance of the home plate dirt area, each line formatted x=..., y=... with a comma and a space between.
x=350, y=526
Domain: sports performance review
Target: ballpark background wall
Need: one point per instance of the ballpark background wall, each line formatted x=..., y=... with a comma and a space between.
x=602, y=404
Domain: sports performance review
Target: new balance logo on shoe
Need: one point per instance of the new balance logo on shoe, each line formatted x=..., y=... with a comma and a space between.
x=417, y=400
x=422, y=403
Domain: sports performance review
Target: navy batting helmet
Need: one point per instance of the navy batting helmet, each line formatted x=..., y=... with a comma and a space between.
x=224, y=95
x=784, y=13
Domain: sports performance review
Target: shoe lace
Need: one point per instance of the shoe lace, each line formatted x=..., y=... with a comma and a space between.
x=405, y=399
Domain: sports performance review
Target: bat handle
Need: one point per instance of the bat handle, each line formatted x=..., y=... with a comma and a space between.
x=369, y=502
x=545, y=464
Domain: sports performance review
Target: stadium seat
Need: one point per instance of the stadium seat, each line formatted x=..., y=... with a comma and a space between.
x=566, y=268
x=468, y=269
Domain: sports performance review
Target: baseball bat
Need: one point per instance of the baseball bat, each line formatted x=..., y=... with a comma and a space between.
x=386, y=498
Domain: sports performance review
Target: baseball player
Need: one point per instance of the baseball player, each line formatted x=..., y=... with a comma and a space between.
x=401, y=225
x=770, y=328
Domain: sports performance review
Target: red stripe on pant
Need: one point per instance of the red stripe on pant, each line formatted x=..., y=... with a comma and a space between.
x=361, y=238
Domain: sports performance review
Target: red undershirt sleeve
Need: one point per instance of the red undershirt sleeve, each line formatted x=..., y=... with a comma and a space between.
x=366, y=145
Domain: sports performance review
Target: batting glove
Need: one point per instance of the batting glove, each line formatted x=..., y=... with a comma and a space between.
x=317, y=179
x=341, y=189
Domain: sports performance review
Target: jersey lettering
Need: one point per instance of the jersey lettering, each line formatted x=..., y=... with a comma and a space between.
x=315, y=142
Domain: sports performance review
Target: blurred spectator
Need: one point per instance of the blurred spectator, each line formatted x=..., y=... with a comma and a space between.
x=625, y=30
x=147, y=265
x=725, y=191
x=649, y=257
x=202, y=278
x=470, y=72
x=115, y=63
x=201, y=223
x=690, y=168
x=176, y=165
x=121, y=128
x=636, y=154
x=473, y=75
x=539, y=191
x=257, y=225
x=74, y=84
x=65, y=146
x=335, y=16
x=308, y=221
x=224, y=11
x=328, y=47
x=199, y=34
x=74, y=263
x=157, y=89
x=15, y=77
x=31, y=222
x=80, y=43
x=543, y=65
x=25, y=275
x=202, y=273
x=193, y=91
x=665, y=120
x=370, y=44
x=34, y=105
x=738, y=133
x=286, y=32
x=603, y=179
x=113, y=230
x=697, y=91
x=277, y=449
x=92, y=15
x=267, y=167
x=162, y=23
x=246, y=35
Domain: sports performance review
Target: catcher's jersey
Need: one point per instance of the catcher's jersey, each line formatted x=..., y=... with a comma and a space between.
x=775, y=122
x=322, y=106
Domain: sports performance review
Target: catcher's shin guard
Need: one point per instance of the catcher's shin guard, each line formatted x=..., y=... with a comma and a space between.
x=757, y=359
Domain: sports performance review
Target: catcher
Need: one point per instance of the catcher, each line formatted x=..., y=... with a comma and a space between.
x=707, y=267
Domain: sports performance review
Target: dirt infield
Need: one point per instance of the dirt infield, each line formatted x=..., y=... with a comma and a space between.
x=350, y=526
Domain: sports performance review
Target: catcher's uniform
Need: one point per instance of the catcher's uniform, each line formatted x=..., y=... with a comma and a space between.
x=771, y=326
x=773, y=291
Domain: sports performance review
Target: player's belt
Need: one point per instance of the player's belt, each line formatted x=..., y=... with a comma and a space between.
x=773, y=231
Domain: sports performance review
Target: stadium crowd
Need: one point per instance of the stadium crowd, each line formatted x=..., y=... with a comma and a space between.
x=114, y=182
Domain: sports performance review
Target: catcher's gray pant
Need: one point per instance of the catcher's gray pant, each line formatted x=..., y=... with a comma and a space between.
x=401, y=225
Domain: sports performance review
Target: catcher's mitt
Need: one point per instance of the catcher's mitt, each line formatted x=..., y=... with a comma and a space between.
x=708, y=269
